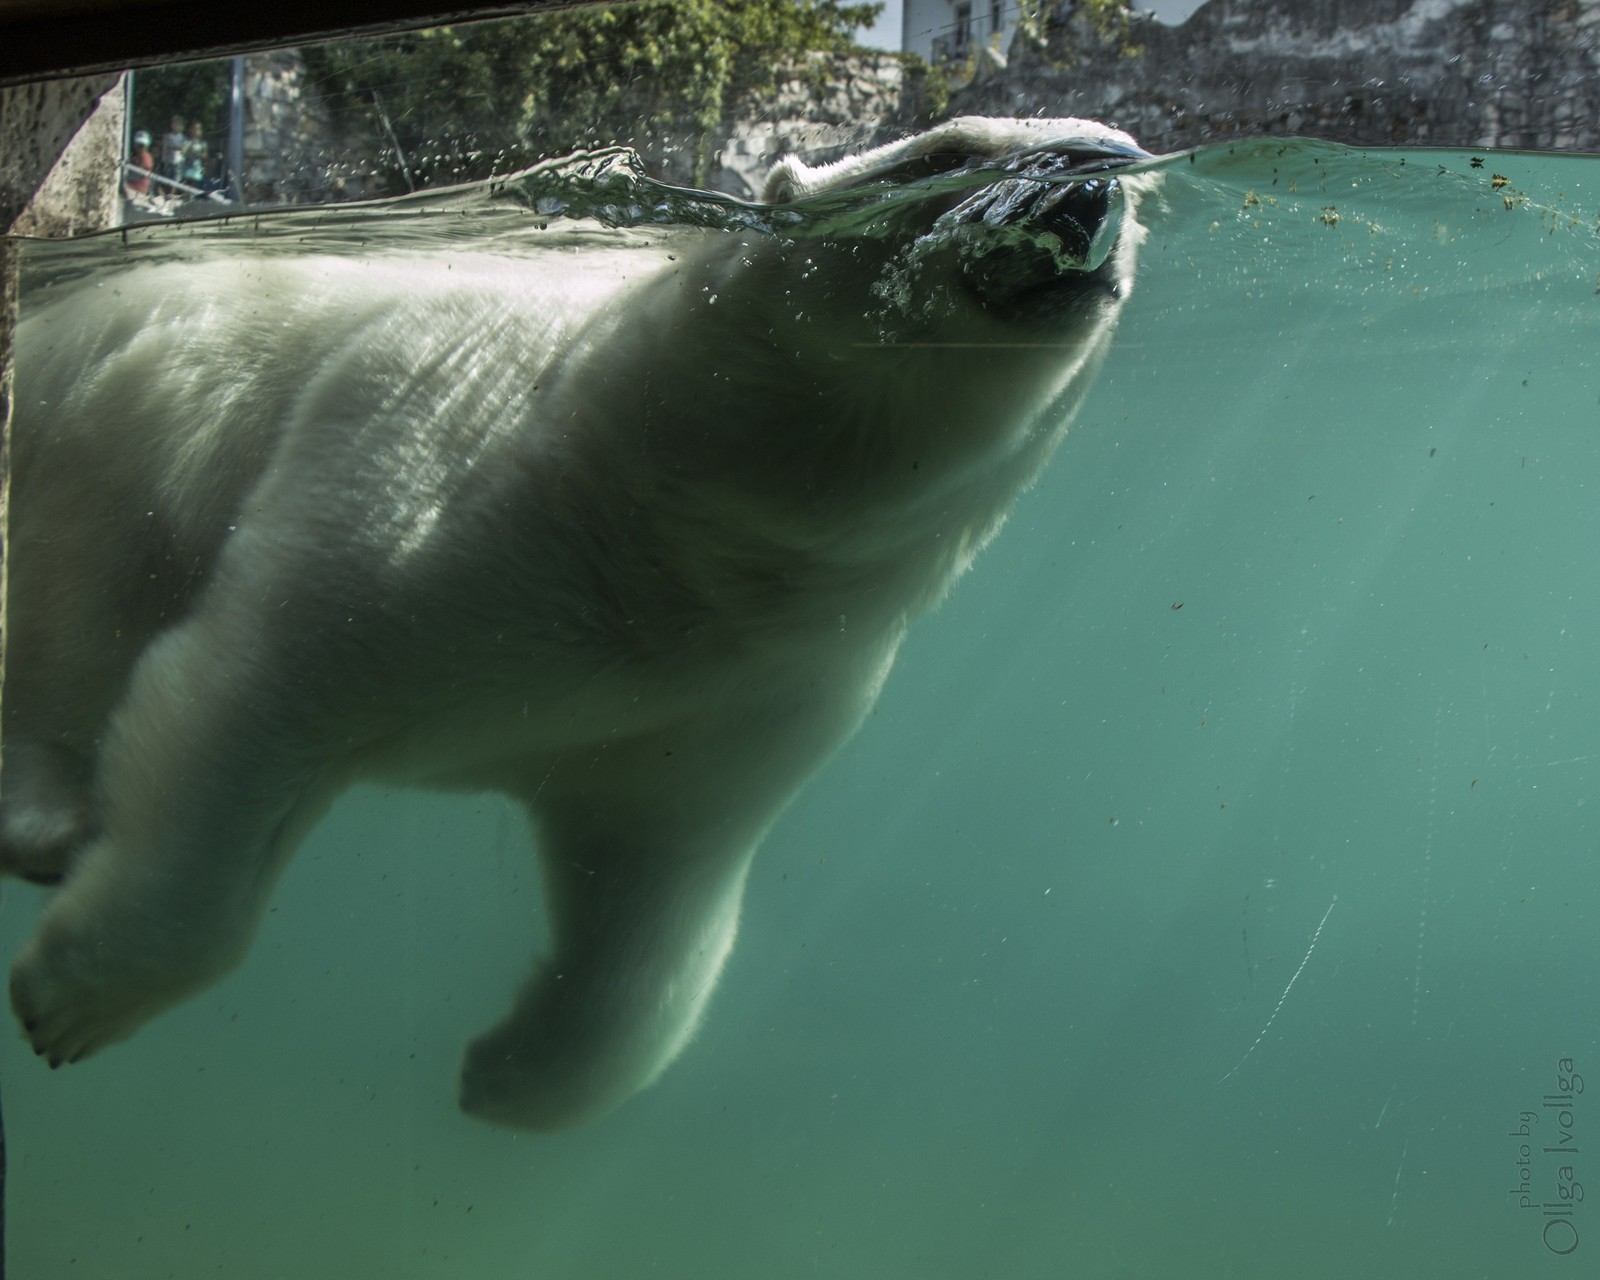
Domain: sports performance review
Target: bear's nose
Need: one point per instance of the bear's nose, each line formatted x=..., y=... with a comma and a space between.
x=1083, y=214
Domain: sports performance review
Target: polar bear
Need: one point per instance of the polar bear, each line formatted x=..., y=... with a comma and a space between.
x=632, y=536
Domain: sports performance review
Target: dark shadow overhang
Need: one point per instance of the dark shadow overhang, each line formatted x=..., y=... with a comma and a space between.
x=44, y=39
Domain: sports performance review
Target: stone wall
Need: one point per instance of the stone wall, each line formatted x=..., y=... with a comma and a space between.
x=83, y=190
x=286, y=132
x=823, y=109
x=38, y=123
x=824, y=106
x=1476, y=73
x=295, y=152
x=1472, y=73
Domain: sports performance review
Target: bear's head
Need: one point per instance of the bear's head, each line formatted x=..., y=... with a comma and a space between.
x=1031, y=218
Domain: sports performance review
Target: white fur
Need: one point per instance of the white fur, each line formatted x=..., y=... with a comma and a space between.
x=632, y=536
x=976, y=136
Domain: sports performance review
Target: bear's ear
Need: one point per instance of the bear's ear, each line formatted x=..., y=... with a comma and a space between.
x=785, y=182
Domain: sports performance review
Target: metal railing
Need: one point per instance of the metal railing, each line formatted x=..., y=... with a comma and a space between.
x=194, y=193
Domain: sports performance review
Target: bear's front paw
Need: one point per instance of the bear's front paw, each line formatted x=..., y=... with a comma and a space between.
x=71, y=999
x=105, y=960
x=125, y=938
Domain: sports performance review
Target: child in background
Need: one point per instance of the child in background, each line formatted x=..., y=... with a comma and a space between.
x=136, y=179
x=172, y=144
x=195, y=150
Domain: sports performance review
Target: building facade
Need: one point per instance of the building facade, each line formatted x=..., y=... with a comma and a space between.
x=942, y=31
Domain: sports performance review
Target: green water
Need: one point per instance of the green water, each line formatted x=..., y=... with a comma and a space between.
x=1298, y=632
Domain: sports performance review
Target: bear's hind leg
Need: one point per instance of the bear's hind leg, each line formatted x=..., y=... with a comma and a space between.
x=643, y=888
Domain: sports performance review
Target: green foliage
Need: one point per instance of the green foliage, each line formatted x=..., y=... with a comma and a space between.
x=933, y=85
x=1112, y=20
x=1030, y=19
x=466, y=101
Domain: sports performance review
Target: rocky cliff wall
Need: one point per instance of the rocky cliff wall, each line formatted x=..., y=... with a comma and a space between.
x=287, y=132
x=822, y=110
x=297, y=152
x=1473, y=73
x=38, y=123
x=1478, y=73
